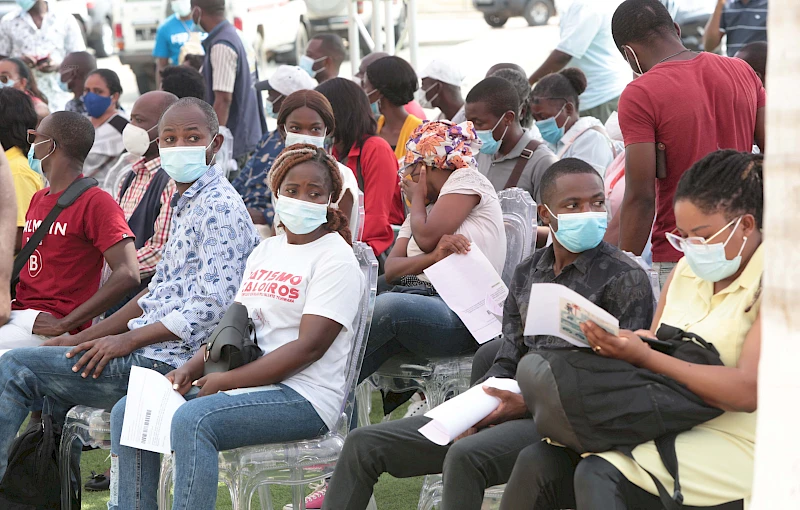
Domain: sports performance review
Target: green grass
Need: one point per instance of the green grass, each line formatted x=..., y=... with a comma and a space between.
x=390, y=493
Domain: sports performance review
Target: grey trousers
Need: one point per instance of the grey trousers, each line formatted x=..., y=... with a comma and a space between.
x=603, y=111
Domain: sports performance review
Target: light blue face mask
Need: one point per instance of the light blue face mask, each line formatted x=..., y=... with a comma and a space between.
x=63, y=86
x=185, y=164
x=269, y=108
x=36, y=164
x=300, y=217
x=549, y=129
x=9, y=83
x=579, y=232
x=26, y=5
x=490, y=145
x=375, y=106
x=709, y=262
x=307, y=64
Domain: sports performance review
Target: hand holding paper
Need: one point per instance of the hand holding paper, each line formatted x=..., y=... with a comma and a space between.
x=149, y=409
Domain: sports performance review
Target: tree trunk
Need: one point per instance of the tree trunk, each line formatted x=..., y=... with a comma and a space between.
x=777, y=465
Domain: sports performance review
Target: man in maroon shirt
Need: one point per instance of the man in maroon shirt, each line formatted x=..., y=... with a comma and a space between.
x=682, y=106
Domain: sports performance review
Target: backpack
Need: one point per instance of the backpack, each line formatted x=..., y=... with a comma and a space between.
x=590, y=403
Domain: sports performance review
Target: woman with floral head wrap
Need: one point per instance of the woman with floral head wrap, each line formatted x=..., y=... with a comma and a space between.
x=451, y=205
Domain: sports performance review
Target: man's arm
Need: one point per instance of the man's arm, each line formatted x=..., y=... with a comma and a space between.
x=556, y=61
x=577, y=29
x=8, y=225
x=161, y=63
x=224, y=63
x=713, y=33
x=639, y=204
x=222, y=106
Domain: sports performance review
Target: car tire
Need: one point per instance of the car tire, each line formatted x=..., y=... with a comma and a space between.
x=105, y=46
x=495, y=20
x=538, y=12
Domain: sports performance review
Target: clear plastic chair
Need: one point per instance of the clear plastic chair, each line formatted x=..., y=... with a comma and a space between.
x=252, y=469
x=87, y=426
x=431, y=497
x=358, y=229
x=519, y=215
x=116, y=173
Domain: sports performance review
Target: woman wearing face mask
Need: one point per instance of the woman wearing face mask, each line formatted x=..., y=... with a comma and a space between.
x=101, y=99
x=14, y=73
x=555, y=108
x=715, y=292
x=304, y=327
x=390, y=84
x=452, y=205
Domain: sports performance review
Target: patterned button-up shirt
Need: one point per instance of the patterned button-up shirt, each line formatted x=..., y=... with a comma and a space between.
x=210, y=238
x=603, y=275
x=251, y=183
x=60, y=35
x=150, y=254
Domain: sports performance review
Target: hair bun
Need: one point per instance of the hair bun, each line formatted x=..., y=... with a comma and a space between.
x=576, y=78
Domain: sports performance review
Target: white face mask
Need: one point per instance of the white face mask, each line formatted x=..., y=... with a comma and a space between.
x=136, y=140
x=421, y=95
x=295, y=138
x=182, y=8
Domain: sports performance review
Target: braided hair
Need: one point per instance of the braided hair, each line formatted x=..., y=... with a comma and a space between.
x=727, y=181
x=301, y=153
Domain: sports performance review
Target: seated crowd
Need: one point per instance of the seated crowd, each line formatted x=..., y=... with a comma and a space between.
x=140, y=271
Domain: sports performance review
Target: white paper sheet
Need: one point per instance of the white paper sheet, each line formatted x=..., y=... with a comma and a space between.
x=458, y=414
x=3, y=351
x=555, y=310
x=464, y=282
x=149, y=410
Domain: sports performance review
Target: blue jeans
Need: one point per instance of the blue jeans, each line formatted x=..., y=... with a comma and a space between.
x=200, y=429
x=422, y=325
x=29, y=374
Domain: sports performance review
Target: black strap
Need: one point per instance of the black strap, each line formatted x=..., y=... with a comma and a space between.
x=70, y=195
x=359, y=174
x=119, y=122
x=666, y=450
x=522, y=160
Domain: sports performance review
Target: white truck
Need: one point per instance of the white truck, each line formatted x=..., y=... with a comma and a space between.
x=330, y=16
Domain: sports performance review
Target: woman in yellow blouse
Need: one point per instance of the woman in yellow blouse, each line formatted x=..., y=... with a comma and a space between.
x=714, y=292
x=390, y=84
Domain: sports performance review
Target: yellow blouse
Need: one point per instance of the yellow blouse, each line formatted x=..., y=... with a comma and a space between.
x=409, y=126
x=715, y=458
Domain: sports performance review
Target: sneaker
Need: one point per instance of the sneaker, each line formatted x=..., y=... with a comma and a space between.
x=98, y=483
x=418, y=406
x=315, y=499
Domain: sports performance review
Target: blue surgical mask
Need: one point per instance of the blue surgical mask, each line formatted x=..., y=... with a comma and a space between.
x=26, y=5
x=269, y=108
x=185, y=164
x=300, y=217
x=708, y=261
x=96, y=105
x=307, y=64
x=375, y=106
x=36, y=164
x=9, y=83
x=490, y=145
x=63, y=86
x=579, y=232
x=549, y=129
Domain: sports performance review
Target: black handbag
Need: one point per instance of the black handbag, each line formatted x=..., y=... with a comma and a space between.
x=233, y=342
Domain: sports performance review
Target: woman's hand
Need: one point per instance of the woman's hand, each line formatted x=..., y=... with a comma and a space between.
x=212, y=383
x=627, y=346
x=450, y=244
x=181, y=379
x=415, y=191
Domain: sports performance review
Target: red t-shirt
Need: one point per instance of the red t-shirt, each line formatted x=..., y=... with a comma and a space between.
x=694, y=107
x=64, y=271
x=415, y=109
x=383, y=206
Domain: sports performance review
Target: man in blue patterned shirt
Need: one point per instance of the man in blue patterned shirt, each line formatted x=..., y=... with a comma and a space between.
x=211, y=236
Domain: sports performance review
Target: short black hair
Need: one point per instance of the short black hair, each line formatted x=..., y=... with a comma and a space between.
x=523, y=88
x=394, y=78
x=566, y=84
x=210, y=6
x=566, y=166
x=728, y=181
x=183, y=81
x=17, y=116
x=498, y=94
x=640, y=21
x=212, y=121
x=72, y=132
x=755, y=54
x=332, y=46
x=354, y=120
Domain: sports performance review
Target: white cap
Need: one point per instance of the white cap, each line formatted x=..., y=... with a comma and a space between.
x=289, y=79
x=444, y=72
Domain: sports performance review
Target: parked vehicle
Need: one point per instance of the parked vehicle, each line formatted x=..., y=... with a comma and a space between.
x=497, y=12
x=100, y=29
x=331, y=16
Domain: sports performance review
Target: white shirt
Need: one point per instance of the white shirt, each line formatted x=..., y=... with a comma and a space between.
x=285, y=281
x=60, y=35
x=586, y=37
x=583, y=141
x=484, y=224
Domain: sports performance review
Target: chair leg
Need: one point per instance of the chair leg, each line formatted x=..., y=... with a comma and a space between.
x=165, y=483
x=299, y=497
x=265, y=496
x=67, y=450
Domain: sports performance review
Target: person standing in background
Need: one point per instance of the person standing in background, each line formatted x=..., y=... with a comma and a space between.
x=324, y=56
x=172, y=34
x=441, y=88
x=41, y=38
x=741, y=21
x=413, y=108
x=586, y=43
x=74, y=70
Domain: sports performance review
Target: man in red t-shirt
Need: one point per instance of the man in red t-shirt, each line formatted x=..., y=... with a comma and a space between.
x=692, y=103
x=59, y=289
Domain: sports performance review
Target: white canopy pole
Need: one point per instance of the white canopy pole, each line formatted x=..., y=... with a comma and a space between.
x=376, y=25
x=411, y=24
x=352, y=36
x=389, y=27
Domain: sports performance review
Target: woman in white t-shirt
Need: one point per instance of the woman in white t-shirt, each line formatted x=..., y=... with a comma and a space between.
x=451, y=206
x=302, y=290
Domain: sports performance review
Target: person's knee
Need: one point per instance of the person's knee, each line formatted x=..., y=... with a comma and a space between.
x=593, y=470
x=359, y=442
x=484, y=359
x=461, y=456
x=189, y=426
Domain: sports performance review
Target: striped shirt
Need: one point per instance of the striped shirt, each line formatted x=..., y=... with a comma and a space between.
x=744, y=23
x=107, y=148
x=224, y=62
x=150, y=254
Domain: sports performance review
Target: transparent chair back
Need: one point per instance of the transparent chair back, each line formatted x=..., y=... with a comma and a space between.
x=652, y=274
x=224, y=157
x=117, y=173
x=519, y=214
x=249, y=469
x=358, y=228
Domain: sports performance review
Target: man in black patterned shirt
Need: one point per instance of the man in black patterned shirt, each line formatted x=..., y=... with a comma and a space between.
x=485, y=456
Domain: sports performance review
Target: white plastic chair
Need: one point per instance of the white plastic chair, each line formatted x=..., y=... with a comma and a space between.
x=298, y=463
x=358, y=228
x=90, y=427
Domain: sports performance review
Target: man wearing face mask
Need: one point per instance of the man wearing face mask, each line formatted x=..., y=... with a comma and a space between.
x=324, y=56
x=683, y=106
x=441, y=88
x=173, y=33
x=485, y=455
x=74, y=70
x=510, y=155
x=229, y=82
x=251, y=183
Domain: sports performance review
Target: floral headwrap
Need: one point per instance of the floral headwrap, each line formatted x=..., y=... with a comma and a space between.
x=442, y=144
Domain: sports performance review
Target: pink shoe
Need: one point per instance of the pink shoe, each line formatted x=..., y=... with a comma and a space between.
x=315, y=499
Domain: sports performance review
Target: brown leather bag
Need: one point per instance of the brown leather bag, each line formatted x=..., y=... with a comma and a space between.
x=522, y=160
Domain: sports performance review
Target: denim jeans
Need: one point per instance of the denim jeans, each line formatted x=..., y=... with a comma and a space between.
x=200, y=429
x=422, y=325
x=27, y=375
x=664, y=269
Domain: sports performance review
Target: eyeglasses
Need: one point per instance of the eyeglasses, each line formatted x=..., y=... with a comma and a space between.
x=679, y=243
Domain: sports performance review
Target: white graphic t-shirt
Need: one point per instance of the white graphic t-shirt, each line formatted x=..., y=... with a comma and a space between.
x=285, y=281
